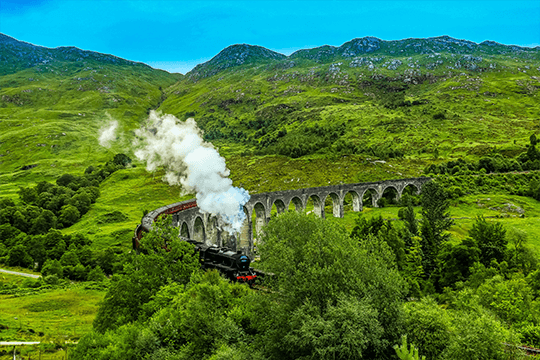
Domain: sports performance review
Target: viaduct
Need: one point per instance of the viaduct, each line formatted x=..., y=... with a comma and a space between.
x=204, y=227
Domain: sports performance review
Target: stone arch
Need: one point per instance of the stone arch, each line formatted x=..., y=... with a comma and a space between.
x=351, y=202
x=333, y=200
x=314, y=205
x=244, y=237
x=411, y=189
x=212, y=231
x=199, y=231
x=390, y=193
x=297, y=203
x=258, y=219
x=369, y=197
x=184, y=230
x=279, y=207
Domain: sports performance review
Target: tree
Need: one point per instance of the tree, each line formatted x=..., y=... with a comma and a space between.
x=45, y=221
x=69, y=215
x=427, y=326
x=145, y=273
x=96, y=274
x=456, y=260
x=28, y=195
x=52, y=267
x=409, y=217
x=17, y=256
x=491, y=240
x=81, y=201
x=323, y=276
x=435, y=221
x=66, y=179
x=121, y=159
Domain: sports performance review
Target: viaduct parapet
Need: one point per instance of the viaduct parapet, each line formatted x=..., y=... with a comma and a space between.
x=204, y=227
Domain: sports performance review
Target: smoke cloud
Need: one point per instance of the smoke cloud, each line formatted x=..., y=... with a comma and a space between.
x=107, y=134
x=194, y=164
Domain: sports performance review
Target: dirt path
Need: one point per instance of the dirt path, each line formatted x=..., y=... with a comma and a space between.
x=18, y=273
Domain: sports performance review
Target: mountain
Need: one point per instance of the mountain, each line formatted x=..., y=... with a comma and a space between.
x=234, y=55
x=353, y=52
x=409, y=102
x=53, y=102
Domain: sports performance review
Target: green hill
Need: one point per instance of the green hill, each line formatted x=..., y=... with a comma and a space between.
x=319, y=116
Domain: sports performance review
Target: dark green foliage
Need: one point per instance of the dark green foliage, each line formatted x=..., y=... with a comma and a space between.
x=435, y=222
x=18, y=257
x=427, y=326
x=313, y=252
x=144, y=274
x=69, y=215
x=490, y=239
x=52, y=267
x=121, y=159
x=96, y=274
x=456, y=260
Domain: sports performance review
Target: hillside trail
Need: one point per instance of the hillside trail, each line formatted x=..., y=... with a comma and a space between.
x=18, y=273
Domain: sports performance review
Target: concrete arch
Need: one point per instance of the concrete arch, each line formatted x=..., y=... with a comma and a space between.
x=280, y=206
x=374, y=195
x=184, y=230
x=245, y=237
x=395, y=188
x=356, y=203
x=199, y=231
x=410, y=185
x=212, y=231
x=337, y=204
x=259, y=220
x=186, y=213
x=297, y=202
x=318, y=208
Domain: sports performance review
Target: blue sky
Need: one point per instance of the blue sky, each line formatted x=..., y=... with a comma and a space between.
x=177, y=35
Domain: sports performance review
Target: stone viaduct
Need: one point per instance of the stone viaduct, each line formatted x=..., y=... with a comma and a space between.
x=204, y=227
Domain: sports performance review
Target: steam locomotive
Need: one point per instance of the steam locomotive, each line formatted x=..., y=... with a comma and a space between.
x=232, y=264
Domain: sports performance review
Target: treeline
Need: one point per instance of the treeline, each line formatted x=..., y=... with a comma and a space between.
x=57, y=256
x=333, y=295
x=55, y=206
x=28, y=231
x=497, y=163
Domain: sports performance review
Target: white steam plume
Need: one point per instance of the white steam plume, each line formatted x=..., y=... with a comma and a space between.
x=194, y=164
x=107, y=134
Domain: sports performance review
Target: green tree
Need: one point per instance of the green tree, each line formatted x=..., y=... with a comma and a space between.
x=491, y=240
x=322, y=272
x=96, y=274
x=435, y=223
x=52, y=267
x=17, y=256
x=155, y=266
x=28, y=195
x=45, y=221
x=69, y=215
x=456, y=260
x=427, y=326
x=69, y=258
x=81, y=201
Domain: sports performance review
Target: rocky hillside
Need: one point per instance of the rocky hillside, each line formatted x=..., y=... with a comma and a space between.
x=409, y=102
x=431, y=53
x=234, y=55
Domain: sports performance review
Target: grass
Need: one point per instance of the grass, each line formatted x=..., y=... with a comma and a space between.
x=63, y=313
x=55, y=318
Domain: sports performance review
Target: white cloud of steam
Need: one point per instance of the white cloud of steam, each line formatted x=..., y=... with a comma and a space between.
x=107, y=134
x=194, y=164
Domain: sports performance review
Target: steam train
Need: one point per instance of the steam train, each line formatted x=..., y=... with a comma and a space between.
x=234, y=265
